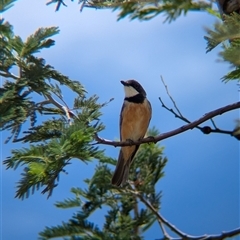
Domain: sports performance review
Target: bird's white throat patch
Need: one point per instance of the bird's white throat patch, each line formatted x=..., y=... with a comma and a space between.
x=130, y=91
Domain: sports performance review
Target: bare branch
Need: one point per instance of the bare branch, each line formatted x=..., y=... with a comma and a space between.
x=178, y=114
x=213, y=123
x=224, y=235
x=68, y=113
x=165, y=233
x=183, y=235
x=205, y=129
x=179, y=130
x=174, y=103
x=160, y=218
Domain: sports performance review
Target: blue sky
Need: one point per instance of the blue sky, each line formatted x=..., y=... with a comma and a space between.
x=201, y=183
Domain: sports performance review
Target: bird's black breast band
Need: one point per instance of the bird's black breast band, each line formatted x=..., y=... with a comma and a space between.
x=139, y=98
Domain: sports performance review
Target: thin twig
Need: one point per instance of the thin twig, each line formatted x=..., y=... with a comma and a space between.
x=9, y=75
x=174, y=103
x=175, y=114
x=82, y=5
x=165, y=233
x=183, y=235
x=162, y=221
x=174, y=132
x=61, y=107
x=160, y=218
x=178, y=114
x=205, y=129
x=54, y=102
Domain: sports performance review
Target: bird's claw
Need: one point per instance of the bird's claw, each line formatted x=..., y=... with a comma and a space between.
x=152, y=139
x=130, y=141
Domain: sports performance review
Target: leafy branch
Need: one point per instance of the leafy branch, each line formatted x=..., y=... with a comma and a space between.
x=123, y=218
x=44, y=162
x=34, y=93
x=147, y=170
x=225, y=31
x=171, y=8
x=71, y=132
x=143, y=9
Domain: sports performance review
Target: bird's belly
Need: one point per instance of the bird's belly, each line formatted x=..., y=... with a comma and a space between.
x=135, y=121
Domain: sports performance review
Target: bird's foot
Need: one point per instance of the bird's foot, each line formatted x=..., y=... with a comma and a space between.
x=152, y=139
x=130, y=141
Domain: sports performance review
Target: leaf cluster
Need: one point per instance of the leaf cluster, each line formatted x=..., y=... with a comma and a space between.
x=227, y=33
x=143, y=9
x=5, y=5
x=31, y=96
x=126, y=216
x=172, y=9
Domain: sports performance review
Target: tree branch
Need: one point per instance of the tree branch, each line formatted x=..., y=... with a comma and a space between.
x=179, y=130
x=171, y=98
x=178, y=114
x=159, y=217
x=68, y=113
x=9, y=75
x=205, y=129
x=183, y=235
x=165, y=233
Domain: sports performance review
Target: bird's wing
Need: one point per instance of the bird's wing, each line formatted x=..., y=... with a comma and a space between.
x=121, y=119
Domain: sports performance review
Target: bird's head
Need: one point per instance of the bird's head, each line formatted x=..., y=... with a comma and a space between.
x=133, y=88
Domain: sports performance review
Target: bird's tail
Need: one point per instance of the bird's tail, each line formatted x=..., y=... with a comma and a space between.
x=121, y=173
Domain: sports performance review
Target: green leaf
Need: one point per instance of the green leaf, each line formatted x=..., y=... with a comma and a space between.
x=5, y=5
x=233, y=75
x=126, y=215
x=171, y=8
x=6, y=29
x=227, y=30
x=17, y=44
x=69, y=203
x=39, y=40
x=37, y=169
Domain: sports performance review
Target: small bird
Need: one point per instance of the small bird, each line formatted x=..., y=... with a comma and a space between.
x=134, y=120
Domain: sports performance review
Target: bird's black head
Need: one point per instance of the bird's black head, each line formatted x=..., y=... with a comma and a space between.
x=132, y=88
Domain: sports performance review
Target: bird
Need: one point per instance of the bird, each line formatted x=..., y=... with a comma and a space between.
x=135, y=116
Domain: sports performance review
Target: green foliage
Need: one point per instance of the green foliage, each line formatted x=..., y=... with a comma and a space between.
x=31, y=95
x=5, y=5
x=58, y=2
x=126, y=215
x=145, y=10
x=37, y=41
x=28, y=97
x=224, y=30
x=171, y=8
x=44, y=162
x=17, y=91
x=228, y=30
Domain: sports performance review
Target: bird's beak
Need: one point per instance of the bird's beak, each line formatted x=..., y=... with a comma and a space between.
x=124, y=83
